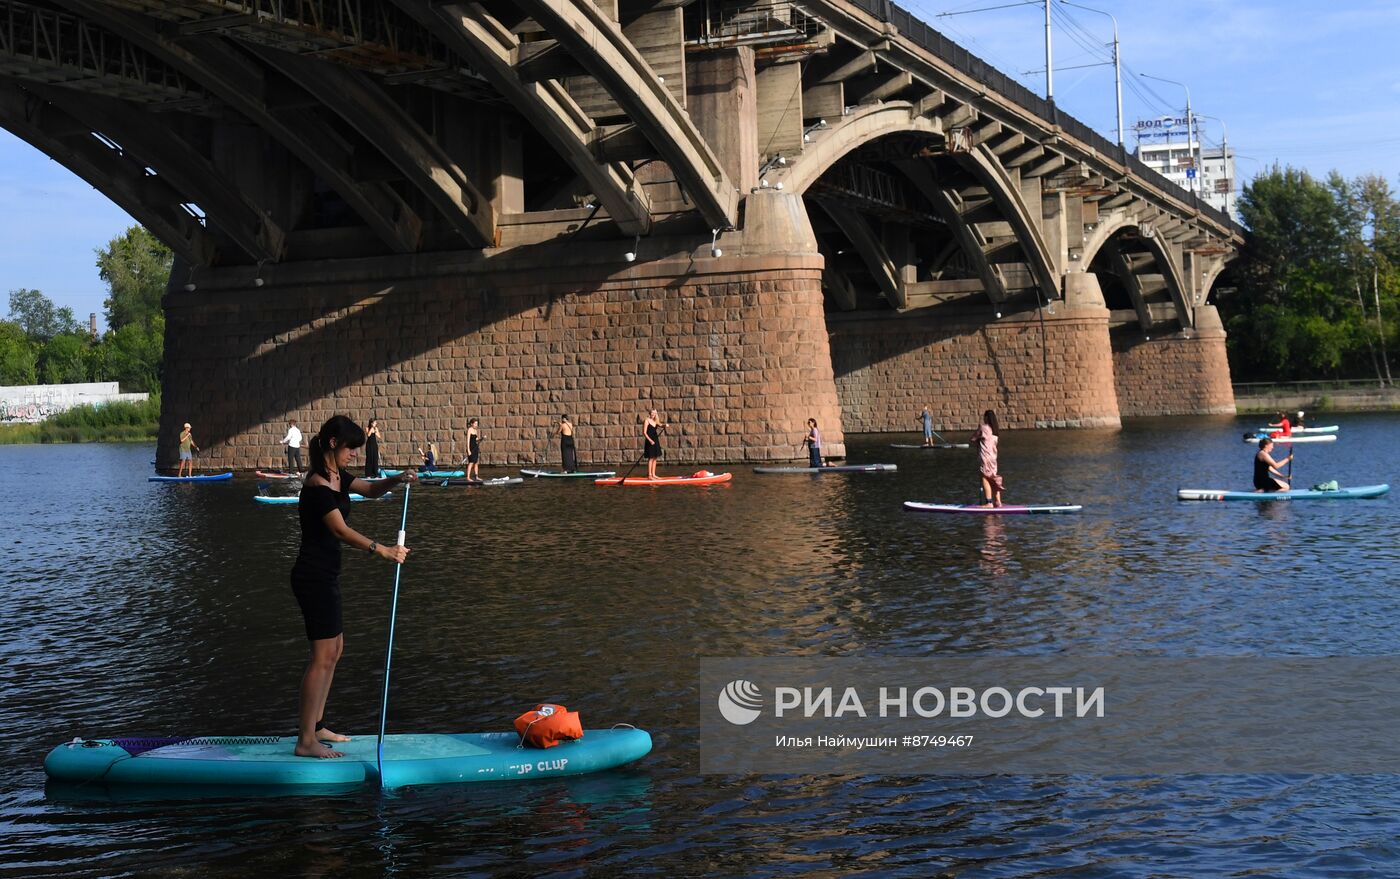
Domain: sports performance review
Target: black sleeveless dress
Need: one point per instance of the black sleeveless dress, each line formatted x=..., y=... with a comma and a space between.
x=569, y=453
x=653, y=442
x=372, y=457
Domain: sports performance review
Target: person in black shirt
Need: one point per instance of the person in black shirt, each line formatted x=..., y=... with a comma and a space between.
x=324, y=508
x=1268, y=474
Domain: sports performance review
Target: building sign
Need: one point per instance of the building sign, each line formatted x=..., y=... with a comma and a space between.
x=1163, y=128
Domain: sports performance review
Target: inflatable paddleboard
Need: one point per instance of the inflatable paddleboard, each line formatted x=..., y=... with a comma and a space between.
x=409, y=759
x=1003, y=510
x=702, y=478
x=483, y=483
x=555, y=474
x=930, y=448
x=291, y=498
x=1330, y=428
x=1287, y=440
x=426, y=474
x=835, y=468
x=216, y=477
x=270, y=474
x=1301, y=494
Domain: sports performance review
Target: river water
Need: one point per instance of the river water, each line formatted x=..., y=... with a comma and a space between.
x=136, y=608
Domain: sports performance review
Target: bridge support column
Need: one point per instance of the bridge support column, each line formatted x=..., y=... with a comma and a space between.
x=1035, y=369
x=732, y=350
x=722, y=93
x=1179, y=373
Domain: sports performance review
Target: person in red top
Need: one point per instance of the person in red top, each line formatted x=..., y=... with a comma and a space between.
x=1283, y=425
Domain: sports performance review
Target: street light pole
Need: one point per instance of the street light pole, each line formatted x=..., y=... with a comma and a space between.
x=1117, y=63
x=1224, y=157
x=1049, y=67
x=1190, y=130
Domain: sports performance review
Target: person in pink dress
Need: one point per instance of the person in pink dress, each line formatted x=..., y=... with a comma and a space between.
x=986, y=439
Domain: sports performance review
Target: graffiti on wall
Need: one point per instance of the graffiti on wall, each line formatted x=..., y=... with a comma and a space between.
x=29, y=411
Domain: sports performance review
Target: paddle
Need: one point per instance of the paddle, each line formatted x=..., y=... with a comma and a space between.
x=389, y=653
x=622, y=480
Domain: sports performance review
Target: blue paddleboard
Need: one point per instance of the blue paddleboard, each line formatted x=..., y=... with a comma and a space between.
x=217, y=477
x=409, y=759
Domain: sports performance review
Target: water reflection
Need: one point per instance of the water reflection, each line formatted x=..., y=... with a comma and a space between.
x=164, y=609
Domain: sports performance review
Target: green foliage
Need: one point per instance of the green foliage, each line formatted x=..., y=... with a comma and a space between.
x=63, y=360
x=18, y=365
x=134, y=354
x=136, y=267
x=1316, y=287
x=40, y=319
x=107, y=423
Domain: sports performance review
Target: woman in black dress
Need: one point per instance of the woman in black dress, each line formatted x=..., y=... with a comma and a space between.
x=372, y=449
x=324, y=508
x=651, y=441
x=568, y=453
x=473, y=450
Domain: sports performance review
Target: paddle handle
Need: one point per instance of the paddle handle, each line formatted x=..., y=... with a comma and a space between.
x=402, y=536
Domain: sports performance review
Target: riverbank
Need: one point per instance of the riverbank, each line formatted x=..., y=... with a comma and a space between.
x=1320, y=396
x=119, y=422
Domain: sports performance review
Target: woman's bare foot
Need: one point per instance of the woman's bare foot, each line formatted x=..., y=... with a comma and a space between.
x=326, y=735
x=316, y=749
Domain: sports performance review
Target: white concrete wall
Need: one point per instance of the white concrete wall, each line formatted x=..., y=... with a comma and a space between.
x=34, y=403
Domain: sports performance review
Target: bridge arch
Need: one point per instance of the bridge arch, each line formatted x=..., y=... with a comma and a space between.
x=866, y=125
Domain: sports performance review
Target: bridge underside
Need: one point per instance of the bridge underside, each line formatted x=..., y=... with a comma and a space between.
x=745, y=213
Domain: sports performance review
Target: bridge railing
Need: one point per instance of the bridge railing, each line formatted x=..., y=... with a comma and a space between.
x=920, y=33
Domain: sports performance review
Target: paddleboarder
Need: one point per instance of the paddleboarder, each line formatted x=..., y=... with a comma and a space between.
x=567, y=452
x=1285, y=428
x=372, y=435
x=927, y=418
x=987, y=439
x=474, y=449
x=1298, y=424
x=187, y=450
x=1268, y=475
x=292, y=441
x=651, y=441
x=324, y=510
x=429, y=457
x=814, y=444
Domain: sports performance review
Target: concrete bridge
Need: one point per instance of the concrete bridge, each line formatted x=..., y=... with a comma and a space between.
x=742, y=213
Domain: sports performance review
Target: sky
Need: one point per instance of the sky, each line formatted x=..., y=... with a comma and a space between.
x=1308, y=84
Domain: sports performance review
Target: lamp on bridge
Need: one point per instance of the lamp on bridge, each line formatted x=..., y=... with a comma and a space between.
x=815, y=126
x=714, y=243
x=631, y=255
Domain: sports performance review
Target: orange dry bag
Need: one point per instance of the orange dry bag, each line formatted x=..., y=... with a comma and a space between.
x=546, y=725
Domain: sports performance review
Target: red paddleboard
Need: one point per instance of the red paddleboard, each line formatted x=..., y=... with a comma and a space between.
x=703, y=477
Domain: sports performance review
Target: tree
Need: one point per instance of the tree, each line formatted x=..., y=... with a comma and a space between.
x=136, y=267
x=38, y=317
x=134, y=354
x=62, y=360
x=17, y=362
x=1294, y=313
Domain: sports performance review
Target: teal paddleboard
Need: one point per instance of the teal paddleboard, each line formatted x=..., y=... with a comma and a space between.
x=291, y=498
x=409, y=759
x=1302, y=494
x=427, y=474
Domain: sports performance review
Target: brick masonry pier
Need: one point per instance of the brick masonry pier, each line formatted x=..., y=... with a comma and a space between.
x=1055, y=372
x=732, y=350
